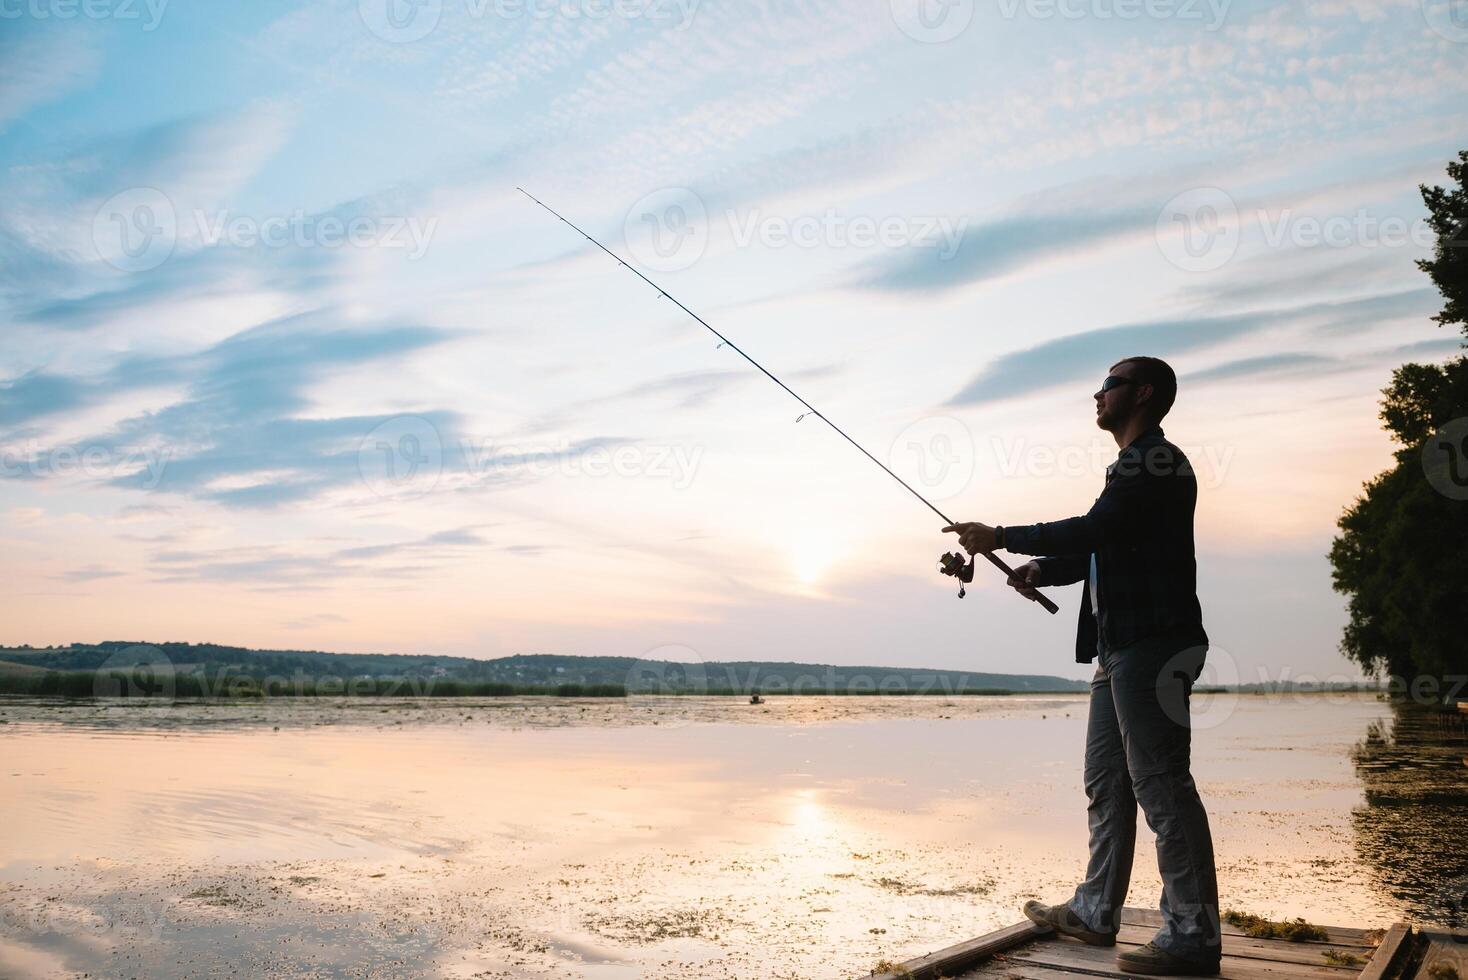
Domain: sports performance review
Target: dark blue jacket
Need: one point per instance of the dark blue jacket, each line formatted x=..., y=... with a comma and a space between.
x=1141, y=531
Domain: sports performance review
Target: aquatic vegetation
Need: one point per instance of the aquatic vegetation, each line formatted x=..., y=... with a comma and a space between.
x=1294, y=930
x=901, y=886
x=215, y=895
x=1337, y=958
x=149, y=682
x=671, y=924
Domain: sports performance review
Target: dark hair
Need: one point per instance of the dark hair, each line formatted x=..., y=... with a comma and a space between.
x=1158, y=373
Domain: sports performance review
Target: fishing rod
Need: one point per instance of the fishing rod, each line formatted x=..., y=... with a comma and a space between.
x=949, y=564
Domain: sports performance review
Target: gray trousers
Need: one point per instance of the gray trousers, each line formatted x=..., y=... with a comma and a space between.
x=1138, y=749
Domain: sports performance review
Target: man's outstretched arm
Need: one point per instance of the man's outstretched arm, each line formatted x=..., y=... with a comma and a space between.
x=1124, y=498
x=1127, y=496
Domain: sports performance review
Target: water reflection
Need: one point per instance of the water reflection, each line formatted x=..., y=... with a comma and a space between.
x=676, y=838
x=1412, y=829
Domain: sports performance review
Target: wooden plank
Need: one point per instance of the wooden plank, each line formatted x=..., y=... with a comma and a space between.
x=1444, y=948
x=1014, y=969
x=962, y=955
x=1337, y=934
x=1003, y=968
x=1389, y=954
x=1028, y=953
x=1068, y=954
x=1008, y=968
x=1269, y=949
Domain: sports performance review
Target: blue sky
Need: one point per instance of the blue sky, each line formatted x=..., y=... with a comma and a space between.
x=289, y=362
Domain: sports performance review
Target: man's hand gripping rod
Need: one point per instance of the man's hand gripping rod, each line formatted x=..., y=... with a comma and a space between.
x=810, y=409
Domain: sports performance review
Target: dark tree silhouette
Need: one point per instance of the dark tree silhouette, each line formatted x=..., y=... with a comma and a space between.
x=1448, y=217
x=1402, y=555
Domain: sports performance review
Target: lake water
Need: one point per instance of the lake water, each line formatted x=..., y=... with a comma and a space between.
x=660, y=837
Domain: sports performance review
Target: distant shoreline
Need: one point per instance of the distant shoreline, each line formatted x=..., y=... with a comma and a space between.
x=214, y=672
x=206, y=668
x=124, y=686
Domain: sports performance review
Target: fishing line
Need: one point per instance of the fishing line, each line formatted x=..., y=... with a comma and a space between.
x=810, y=409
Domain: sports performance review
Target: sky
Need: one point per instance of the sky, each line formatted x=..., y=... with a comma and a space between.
x=289, y=362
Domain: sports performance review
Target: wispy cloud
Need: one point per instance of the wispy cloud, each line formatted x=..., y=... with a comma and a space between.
x=1003, y=246
x=1249, y=367
x=237, y=437
x=40, y=67
x=314, y=621
x=270, y=566
x=1088, y=354
x=1303, y=365
x=197, y=162
x=89, y=574
x=36, y=394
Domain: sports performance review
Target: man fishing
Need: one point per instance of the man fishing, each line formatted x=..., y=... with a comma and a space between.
x=1140, y=618
x=1141, y=622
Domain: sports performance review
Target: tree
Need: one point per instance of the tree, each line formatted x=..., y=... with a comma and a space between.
x=1402, y=555
x=1448, y=217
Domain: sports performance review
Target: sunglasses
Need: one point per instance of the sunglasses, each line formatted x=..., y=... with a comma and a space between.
x=1115, y=381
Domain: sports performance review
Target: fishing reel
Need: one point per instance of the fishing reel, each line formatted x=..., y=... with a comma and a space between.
x=953, y=564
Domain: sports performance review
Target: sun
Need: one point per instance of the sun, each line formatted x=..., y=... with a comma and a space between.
x=808, y=566
x=810, y=555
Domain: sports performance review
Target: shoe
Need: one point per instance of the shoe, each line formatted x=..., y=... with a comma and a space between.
x=1064, y=921
x=1154, y=960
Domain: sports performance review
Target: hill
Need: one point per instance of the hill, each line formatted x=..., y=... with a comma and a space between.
x=531, y=670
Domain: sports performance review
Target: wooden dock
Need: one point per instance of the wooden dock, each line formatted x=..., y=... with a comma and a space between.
x=1024, y=952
